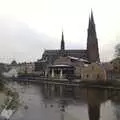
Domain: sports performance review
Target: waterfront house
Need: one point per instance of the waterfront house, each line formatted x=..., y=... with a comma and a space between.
x=92, y=72
x=66, y=67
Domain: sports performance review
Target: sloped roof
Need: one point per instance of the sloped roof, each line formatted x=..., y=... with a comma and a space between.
x=78, y=59
x=75, y=53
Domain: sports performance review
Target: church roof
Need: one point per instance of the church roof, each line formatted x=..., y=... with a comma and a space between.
x=74, y=53
x=61, y=66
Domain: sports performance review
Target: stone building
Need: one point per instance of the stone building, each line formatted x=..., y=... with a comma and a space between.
x=23, y=68
x=91, y=54
x=93, y=72
x=67, y=67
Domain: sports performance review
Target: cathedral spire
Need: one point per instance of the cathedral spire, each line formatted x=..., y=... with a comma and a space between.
x=91, y=27
x=89, y=21
x=92, y=18
x=62, y=42
x=92, y=42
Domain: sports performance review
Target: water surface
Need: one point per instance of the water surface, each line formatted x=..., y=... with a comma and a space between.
x=43, y=102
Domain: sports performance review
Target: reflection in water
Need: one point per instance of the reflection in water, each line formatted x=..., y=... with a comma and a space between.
x=116, y=104
x=95, y=97
x=94, y=111
x=66, y=103
x=92, y=97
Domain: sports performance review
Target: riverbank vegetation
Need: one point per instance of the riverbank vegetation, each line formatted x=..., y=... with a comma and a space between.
x=11, y=98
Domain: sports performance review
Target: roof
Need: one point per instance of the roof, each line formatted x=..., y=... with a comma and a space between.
x=78, y=59
x=61, y=66
x=68, y=51
x=75, y=53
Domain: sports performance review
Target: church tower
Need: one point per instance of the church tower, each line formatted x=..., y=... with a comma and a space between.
x=92, y=42
x=62, y=49
x=62, y=42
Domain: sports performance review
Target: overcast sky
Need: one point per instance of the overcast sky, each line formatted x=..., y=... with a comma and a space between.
x=27, y=27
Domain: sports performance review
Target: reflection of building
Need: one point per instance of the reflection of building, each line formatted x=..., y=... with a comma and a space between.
x=91, y=54
x=93, y=104
x=93, y=71
x=94, y=111
x=95, y=98
x=117, y=110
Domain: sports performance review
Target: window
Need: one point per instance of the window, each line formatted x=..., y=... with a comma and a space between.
x=87, y=75
x=98, y=76
x=92, y=67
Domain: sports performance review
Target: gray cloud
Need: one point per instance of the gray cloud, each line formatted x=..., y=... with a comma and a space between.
x=18, y=41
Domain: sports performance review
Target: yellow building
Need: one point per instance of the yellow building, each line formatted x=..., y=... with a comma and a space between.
x=93, y=72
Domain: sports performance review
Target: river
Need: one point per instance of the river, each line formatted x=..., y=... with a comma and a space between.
x=41, y=102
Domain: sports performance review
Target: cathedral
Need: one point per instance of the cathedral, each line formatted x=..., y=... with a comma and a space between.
x=91, y=53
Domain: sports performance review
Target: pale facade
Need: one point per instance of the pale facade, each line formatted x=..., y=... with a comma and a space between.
x=93, y=72
x=24, y=68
